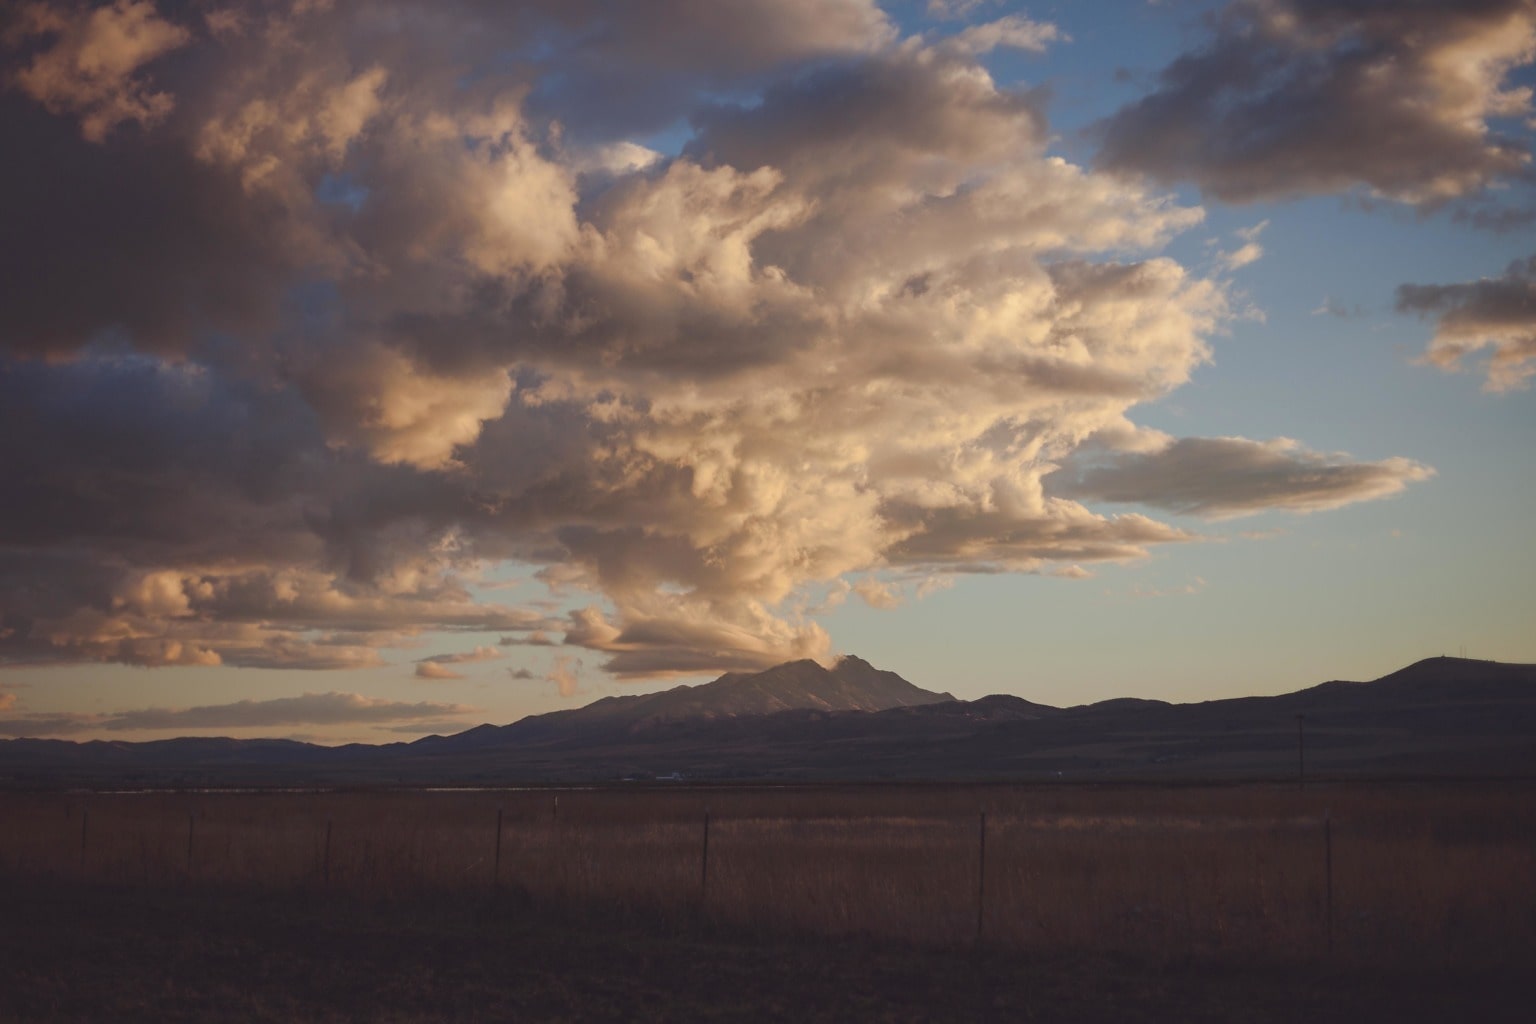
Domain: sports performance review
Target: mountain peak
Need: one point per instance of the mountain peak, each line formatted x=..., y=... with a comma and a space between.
x=852, y=684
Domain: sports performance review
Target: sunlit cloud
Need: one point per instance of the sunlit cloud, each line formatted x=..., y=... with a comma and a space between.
x=436, y=666
x=1497, y=314
x=1290, y=98
x=398, y=323
x=1222, y=477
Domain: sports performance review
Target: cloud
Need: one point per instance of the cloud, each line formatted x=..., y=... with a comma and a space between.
x=877, y=593
x=419, y=729
x=1222, y=477
x=1497, y=313
x=436, y=666
x=331, y=708
x=1012, y=32
x=1249, y=252
x=90, y=63
x=1332, y=307
x=373, y=303
x=566, y=675
x=1141, y=590
x=1297, y=97
x=537, y=638
x=662, y=635
x=480, y=653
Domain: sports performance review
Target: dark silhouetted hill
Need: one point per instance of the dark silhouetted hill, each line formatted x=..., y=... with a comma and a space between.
x=1442, y=717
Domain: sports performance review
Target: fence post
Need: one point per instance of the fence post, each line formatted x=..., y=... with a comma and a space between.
x=325, y=864
x=85, y=822
x=496, y=868
x=704, y=864
x=191, y=824
x=554, y=813
x=981, y=875
x=1328, y=876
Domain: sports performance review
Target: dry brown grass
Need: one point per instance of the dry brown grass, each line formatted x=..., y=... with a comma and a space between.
x=1420, y=873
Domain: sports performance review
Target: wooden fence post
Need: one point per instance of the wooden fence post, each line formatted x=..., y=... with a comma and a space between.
x=981, y=875
x=85, y=822
x=191, y=825
x=325, y=864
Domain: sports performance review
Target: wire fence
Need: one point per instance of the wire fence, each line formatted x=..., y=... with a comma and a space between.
x=1167, y=881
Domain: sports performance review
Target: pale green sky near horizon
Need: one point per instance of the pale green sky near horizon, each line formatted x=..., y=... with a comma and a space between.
x=1254, y=604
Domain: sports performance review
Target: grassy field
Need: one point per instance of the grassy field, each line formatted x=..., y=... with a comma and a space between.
x=1396, y=875
x=1261, y=903
x=91, y=953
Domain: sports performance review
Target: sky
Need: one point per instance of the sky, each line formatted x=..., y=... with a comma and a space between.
x=370, y=370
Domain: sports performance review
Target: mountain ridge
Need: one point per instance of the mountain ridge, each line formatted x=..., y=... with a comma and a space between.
x=1438, y=715
x=852, y=684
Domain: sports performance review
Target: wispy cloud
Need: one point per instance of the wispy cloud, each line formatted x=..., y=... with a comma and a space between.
x=1250, y=251
x=566, y=675
x=436, y=666
x=1332, y=307
x=331, y=708
x=1223, y=477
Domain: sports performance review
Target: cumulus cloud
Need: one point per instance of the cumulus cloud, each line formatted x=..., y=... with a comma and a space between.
x=381, y=295
x=1222, y=477
x=1296, y=97
x=89, y=63
x=331, y=708
x=1495, y=313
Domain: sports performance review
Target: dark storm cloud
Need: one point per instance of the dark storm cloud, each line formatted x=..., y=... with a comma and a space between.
x=95, y=232
x=1291, y=97
x=1497, y=313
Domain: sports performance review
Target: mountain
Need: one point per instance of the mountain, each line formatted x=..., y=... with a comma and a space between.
x=852, y=684
x=1442, y=717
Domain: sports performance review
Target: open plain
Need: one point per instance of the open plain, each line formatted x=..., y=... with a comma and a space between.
x=1339, y=901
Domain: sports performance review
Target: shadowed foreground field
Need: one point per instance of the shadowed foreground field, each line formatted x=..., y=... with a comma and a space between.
x=109, y=953
x=828, y=903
